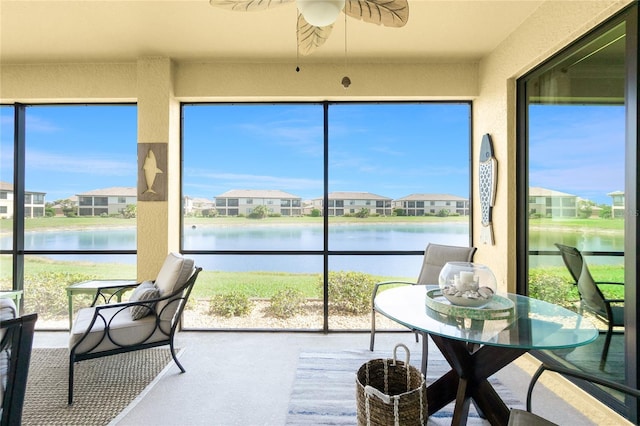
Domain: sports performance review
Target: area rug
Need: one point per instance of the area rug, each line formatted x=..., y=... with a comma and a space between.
x=103, y=387
x=324, y=390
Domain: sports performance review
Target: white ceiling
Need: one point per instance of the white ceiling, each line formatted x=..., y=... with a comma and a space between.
x=192, y=30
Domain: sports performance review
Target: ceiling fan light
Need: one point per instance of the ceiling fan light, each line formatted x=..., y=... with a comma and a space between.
x=320, y=12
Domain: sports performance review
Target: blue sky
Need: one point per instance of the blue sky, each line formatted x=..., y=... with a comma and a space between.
x=577, y=149
x=392, y=150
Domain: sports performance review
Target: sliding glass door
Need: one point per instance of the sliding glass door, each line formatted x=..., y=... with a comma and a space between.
x=576, y=188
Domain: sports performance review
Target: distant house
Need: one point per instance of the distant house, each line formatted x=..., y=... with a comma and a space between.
x=341, y=203
x=197, y=206
x=106, y=201
x=617, y=203
x=550, y=203
x=243, y=201
x=34, y=202
x=428, y=204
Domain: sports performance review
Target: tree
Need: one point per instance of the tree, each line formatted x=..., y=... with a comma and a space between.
x=259, y=212
x=67, y=206
x=316, y=213
x=363, y=213
x=130, y=211
x=605, y=212
x=585, y=208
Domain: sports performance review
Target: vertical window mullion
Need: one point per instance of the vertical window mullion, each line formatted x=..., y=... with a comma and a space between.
x=18, y=197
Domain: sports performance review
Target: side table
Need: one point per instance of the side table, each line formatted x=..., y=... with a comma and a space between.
x=91, y=287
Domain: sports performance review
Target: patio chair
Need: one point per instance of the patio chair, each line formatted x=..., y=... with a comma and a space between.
x=149, y=319
x=610, y=311
x=519, y=417
x=435, y=257
x=16, y=340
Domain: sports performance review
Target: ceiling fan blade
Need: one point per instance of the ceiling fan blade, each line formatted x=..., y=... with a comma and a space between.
x=311, y=37
x=248, y=5
x=390, y=13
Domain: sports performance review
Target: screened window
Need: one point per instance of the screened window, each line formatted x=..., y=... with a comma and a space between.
x=373, y=154
x=69, y=150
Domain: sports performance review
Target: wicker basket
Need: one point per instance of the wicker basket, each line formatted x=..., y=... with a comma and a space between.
x=391, y=392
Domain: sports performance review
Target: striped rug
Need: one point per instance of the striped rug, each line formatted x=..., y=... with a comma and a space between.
x=324, y=390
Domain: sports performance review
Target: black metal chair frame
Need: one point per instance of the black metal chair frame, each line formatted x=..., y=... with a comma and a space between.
x=575, y=374
x=576, y=270
x=179, y=296
x=18, y=339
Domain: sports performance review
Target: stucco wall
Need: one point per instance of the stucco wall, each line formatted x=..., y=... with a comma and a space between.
x=551, y=28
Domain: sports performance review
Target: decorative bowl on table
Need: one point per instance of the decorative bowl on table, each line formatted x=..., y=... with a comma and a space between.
x=467, y=284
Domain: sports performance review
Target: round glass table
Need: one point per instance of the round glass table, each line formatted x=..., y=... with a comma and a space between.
x=479, y=344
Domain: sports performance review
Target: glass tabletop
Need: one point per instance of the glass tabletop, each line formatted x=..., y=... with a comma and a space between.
x=534, y=324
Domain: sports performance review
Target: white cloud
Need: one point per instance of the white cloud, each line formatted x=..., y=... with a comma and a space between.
x=54, y=162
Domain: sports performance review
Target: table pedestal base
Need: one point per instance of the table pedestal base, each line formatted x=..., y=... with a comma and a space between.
x=467, y=380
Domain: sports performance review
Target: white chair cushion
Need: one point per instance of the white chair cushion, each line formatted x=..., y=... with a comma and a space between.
x=122, y=329
x=175, y=271
x=8, y=311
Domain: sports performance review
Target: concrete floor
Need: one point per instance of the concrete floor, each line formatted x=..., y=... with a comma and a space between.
x=246, y=378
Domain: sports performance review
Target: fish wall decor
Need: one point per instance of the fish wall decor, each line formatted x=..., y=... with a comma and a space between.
x=487, y=181
x=152, y=175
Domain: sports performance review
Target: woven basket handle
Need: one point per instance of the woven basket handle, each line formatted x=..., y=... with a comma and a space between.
x=371, y=391
x=406, y=350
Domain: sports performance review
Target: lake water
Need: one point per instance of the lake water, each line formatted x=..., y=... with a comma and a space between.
x=377, y=237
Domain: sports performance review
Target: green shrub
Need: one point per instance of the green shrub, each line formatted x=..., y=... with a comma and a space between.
x=287, y=302
x=233, y=304
x=45, y=293
x=259, y=212
x=552, y=288
x=363, y=213
x=350, y=292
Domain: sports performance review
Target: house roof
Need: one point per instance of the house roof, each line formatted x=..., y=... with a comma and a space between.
x=116, y=191
x=192, y=30
x=6, y=186
x=256, y=193
x=432, y=197
x=535, y=191
x=346, y=195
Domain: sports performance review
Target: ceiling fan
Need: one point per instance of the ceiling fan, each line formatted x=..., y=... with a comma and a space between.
x=316, y=17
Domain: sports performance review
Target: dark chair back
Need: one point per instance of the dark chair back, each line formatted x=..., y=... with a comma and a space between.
x=16, y=343
x=572, y=259
x=590, y=294
x=521, y=417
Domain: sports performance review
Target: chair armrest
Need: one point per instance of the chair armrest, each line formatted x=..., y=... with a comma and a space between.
x=136, y=303
x=608, y=283
x=106, y=294
x=182, y=292
x=384, y=283
x=577, y=374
